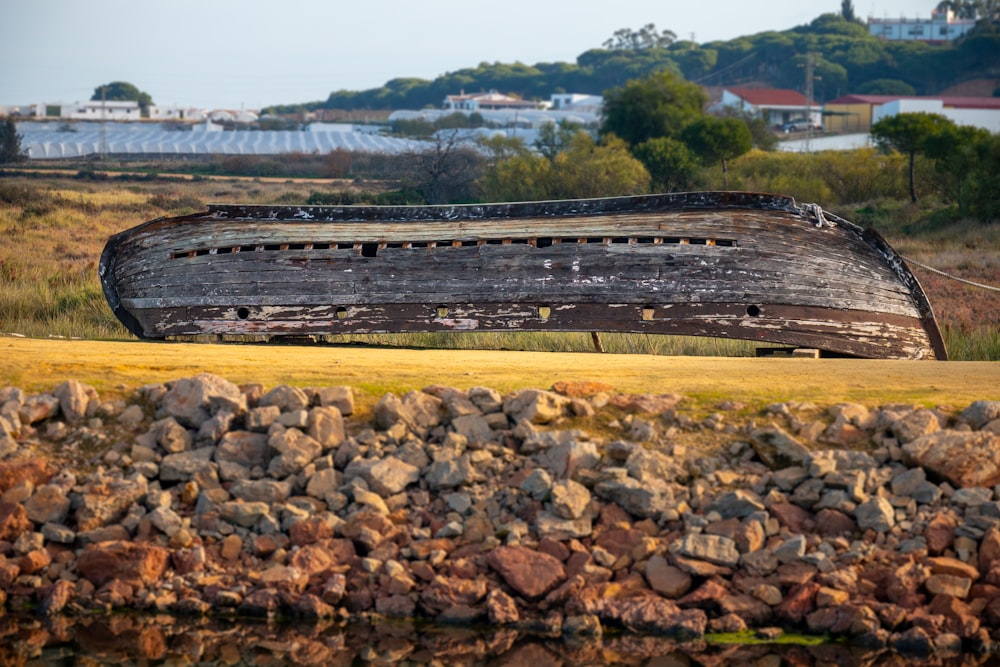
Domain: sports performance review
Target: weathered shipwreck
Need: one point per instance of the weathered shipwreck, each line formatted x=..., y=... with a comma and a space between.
x=721, y=264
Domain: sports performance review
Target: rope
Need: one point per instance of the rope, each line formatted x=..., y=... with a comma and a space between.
x=948, y=275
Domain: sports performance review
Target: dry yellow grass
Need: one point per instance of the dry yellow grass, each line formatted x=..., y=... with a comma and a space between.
x=115, y=367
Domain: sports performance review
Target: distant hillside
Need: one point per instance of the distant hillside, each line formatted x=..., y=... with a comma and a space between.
x=847, y=60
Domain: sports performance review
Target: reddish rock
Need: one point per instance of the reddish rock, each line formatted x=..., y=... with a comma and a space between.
x=832, y=523
x=989, y=549
x=36, y=471
x=646, y=403
x=13, y=521
x=965, y=459
x=952, y=566
x=581, y=389
x=9, y=571
x=665, y=579
x=655, y=615
x=940, y=532
x=34, y=561
x=310, y=531
x=794, y=518
x=705, y=596
x=263, y=602
x=531, y=573
x=396, y=606
x=446, y=592
x=754, y=612
x=960, y=619
x=619, y=541
x=501, y=608
x=800, y=601
x=554, y=548
x=57, y=597
x=901, y=585
x=103, y=562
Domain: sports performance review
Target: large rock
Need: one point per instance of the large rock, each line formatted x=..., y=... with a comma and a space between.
x=531, y=573
x=777, y=449
x=417, y=411
x=13, y=521
x=74, y=399
x=962, y=458
x=390, y=475
x=295, y=451
x=876, y=513
x=286, y=398
x=126, y=561
x=535, y=406
x=326, y=426
x=713, y=548
x=192, y=401
x=245, y=448
x=48, y=504
x=980, y=413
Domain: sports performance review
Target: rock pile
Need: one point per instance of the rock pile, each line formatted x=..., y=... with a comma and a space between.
x=202, y=497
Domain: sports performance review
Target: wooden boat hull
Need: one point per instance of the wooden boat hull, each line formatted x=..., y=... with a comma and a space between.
x=720, y=264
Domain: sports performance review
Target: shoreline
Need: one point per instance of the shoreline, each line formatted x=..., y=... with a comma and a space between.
x=568, y=511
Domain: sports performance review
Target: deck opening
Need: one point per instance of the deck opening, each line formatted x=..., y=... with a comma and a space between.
x=343, y=246
x=243, y=313
x=442, y=311
x=753, y=311
x=544, y=312
x=299, y=246
x=341, y=313
x=323, y=246
x=369, y=249
x=469, y=243
x=647, y=313
x=698, y=241
x=272, y=246
x=620, y=239
x=726, y=243
x=543, y=243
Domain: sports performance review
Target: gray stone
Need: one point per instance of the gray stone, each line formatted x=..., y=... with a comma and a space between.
x=569, y=499
x=488, y=400
x=712, y=548
x=294, y=419
x=38, y=408
x=788, y=478
x=193, y=400
x=973, y=496
x=915, y=424
x=185, y=465
x=48, y=504
x=568, y=457
x=980, y=413
x=261, y=490
x=777, y=449
x=417, y=411
x=58, y=533
x=451, y=473
x=295, y=451
x=286, y=398
x=324, y=484
x=341, y=398
x=645, y=500
x=538, y=484
x=166, y=520
x=791, y=549
x=243, y=514
x=737, y=504
x=390, y=476
x=245, y=448
x=908, y=482
x=558, y=528
x=170, y=435
x=877, y=513
x=842, y=460
x=647, y=465
x=260, y=418
x=475, y=427
x=74, y=399
x=326, y=426
x=535, y=406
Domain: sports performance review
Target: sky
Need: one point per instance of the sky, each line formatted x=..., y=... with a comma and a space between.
x=246, y=54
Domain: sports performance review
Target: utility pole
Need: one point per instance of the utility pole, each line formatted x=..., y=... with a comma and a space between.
x=810, y=65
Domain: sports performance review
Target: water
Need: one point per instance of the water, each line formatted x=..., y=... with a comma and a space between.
x=168, y=640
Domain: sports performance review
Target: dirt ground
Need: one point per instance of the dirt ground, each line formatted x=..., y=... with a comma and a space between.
x=116, y=367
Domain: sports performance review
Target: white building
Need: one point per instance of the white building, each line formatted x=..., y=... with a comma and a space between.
x=941, y=27
x=576, y=102
x=173, y=112
x=976, y=112
x=490, y=101
x=98, y=110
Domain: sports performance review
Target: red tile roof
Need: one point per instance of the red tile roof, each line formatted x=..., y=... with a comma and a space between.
x=770, y=97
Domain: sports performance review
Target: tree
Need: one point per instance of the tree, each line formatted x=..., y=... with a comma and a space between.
x=957, y=151
x=10, y=142
x=445, y=172
x=661, y=105
x=718, y=140
x=122, y=91
x=847, y=10
x=670, y=163
x=646, y=37
x=554, y=138
x=584, y=168
x=908, y=133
